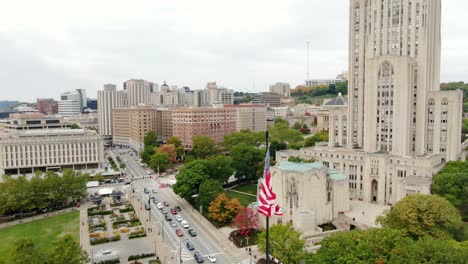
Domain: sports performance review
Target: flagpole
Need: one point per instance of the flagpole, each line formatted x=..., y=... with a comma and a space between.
x=267, y=218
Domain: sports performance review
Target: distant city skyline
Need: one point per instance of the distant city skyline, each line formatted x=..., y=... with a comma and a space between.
x=52, y=47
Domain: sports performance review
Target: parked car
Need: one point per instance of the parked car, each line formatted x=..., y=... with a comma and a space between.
x=184, y=224
x=164, y=211
x=168, y=217
x=147, y=207
x=173, y=211
x=179, y=218
x=178, y=208
x=159, y=206
x=154, y=191
x=190, y=246
x=179, y=232
x=173, y=224
x=212, y=258
x=192, y=232
x=198, y=257
x=166, y=203
x=155, y=201
x=145, y=190
x=106, y=251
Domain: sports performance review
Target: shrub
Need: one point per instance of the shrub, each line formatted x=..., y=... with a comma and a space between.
x=93, y=213
x=140, y=256
x=109, y=261
x=155, y=261
x=126, y=210
x=136, y=236
x=104, y=240
x=124, y=230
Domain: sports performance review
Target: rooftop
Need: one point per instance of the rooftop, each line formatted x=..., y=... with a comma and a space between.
x=336, y=175
x=337, y=101
x=295, y=166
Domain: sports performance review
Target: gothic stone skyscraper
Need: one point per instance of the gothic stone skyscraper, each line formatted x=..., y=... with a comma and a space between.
x=400, y=127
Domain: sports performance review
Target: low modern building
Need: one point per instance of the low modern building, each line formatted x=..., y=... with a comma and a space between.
x=309, y=194
x=32, y=121
x=50, y=149
x=86, y=120
x=269, y=99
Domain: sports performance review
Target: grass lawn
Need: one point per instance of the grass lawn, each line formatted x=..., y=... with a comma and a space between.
x=251, y=188
x=245, y=200
x=43, y=232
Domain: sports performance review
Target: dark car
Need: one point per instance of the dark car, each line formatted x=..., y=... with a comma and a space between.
x=199, y=257
x=166, y=203
x=168, y=217
x=147, y=207
x=190, y=245
x=178, y=208
x=192, y=232
x=145, y=190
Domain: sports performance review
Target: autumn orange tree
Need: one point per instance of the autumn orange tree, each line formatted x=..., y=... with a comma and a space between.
x=222, y=210
x=170, y=150
x=245, y=221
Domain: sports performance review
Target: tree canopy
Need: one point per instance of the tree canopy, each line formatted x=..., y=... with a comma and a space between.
x=222, y=210
x=209, y=190
x=317, y=137
x=246, y=161
x=67, y=250
x=189, y=178
x=245, y=136
x=452, y=184
x=386, y=246
x=160, y=161
x=286, y=244
x=203, y=147
x=25, y=252
x=421, y=215
x=151, y=139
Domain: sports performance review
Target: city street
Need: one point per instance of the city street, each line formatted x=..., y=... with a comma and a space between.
x=208, y=239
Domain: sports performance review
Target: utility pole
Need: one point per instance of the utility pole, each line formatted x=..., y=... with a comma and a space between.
x=180, y=250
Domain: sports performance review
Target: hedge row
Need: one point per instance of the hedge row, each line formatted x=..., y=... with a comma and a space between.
x=136, y=236
x=126, y=210
x=109, y=261
x=135, y=257
x=104, y=240
x=100, y=213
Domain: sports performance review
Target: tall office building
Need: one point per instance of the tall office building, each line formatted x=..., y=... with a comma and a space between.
x=72, y=103
x=108, y=99
x=400, y=127
x=139, y=91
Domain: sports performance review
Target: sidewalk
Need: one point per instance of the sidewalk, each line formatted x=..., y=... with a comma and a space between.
x=161, y=249
x=84, y=232
x=36, y=217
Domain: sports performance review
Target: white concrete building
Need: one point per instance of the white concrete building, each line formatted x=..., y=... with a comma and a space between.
x=283, y=89
x=219, y=95
x=391, y=141
x=166, y=96
x=281, y=111
x=139, y=91
x=50, y=149
x=309, y=194
x=108, y=99
x=72, y=103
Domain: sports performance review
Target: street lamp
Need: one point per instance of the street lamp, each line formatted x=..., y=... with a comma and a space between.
x=149, y=206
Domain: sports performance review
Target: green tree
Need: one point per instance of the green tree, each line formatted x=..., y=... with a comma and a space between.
x=209, y=190
x=24, y=252
x=174, y=141
x=286, y=244
x=282, y=133
x=74, y=126
x=245, y=136
x=203, y=147
x=147, y=153
x=220, y=168
x=420, y=215
x=151, y=139
x=189, y=178
x=160, y=161
x=297, y=125
x=281, y=122
x=67, y=250
x=318, y=137
x=452, y=184
x=276, y=146
x=245, y=160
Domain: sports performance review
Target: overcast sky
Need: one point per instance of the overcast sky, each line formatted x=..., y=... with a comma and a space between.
x=48, y=47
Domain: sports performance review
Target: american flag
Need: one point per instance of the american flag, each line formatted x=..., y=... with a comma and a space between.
x=266, y=197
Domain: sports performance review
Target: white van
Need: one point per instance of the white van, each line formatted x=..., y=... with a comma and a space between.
x=184, y=224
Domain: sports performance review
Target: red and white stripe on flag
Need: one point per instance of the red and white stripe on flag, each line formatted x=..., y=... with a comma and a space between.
x=266, y=197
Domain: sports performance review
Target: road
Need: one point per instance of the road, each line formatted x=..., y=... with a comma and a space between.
x=205, y=242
